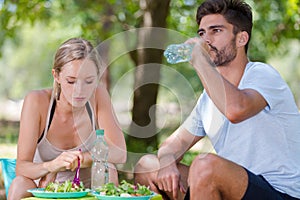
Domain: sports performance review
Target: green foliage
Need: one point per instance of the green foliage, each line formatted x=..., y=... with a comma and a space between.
x=275, y=22
x=31, y=30
x=29, y=65
x=14, y=14
x=189, y=157
x=9, y=132
x=183, y=16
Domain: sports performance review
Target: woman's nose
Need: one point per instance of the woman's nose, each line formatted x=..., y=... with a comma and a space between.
x=78, y=87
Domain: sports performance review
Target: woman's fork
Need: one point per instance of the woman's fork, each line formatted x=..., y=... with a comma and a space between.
x=76, y=180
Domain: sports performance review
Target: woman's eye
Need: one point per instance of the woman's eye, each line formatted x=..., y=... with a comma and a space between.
x=71, y=82
x=89, y=81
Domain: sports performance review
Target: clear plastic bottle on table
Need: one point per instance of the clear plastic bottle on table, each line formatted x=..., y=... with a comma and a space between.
x=99, y=153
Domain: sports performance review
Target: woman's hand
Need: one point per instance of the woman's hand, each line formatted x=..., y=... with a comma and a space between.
x=47, y=179
x=65, y=161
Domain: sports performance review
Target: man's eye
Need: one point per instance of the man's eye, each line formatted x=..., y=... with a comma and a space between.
x=217, y=30
x=201, y=34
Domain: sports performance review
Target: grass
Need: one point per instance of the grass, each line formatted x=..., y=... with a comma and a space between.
x=8, y=150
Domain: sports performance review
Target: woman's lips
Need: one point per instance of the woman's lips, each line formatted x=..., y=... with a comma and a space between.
x=79, y=98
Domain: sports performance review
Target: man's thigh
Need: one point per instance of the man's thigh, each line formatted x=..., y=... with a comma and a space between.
x=214, y=176
x=234, y=181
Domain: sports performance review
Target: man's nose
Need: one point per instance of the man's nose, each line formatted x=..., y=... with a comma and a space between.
x=206, y=38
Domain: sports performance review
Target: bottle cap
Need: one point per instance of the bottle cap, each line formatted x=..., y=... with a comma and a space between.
x=100, y=132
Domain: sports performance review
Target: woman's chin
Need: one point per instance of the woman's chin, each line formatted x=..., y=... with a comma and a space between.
x=78, y=103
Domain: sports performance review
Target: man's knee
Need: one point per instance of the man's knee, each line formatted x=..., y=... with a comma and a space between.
x=203, y=167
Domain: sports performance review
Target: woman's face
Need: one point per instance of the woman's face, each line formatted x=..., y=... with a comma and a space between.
x=78, y=80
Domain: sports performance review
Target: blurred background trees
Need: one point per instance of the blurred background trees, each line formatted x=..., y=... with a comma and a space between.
x=31, y=31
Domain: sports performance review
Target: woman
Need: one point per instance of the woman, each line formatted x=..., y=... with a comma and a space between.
x=58, y=125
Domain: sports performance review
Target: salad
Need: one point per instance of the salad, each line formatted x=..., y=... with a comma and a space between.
x=64, y=187
x=125, y=189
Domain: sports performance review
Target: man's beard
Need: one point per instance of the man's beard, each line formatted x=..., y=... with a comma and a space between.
x=224, y=56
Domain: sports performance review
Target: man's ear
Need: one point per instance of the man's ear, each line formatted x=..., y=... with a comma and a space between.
x=242, y=38
x=55, y=75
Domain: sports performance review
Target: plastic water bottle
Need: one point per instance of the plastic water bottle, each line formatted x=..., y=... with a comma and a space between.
x=176, y=53
x=99, y=167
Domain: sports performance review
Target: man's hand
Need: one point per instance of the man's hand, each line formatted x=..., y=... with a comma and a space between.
x=168, y=178
x=200, y=52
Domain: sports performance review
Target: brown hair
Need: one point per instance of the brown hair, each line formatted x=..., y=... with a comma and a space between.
x=236, y=12
x=70, y=50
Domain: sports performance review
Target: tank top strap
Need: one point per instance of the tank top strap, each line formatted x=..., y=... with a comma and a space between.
x=91, y=115
x=50, y=114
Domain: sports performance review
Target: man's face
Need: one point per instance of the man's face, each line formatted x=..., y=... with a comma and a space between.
x=218, y=34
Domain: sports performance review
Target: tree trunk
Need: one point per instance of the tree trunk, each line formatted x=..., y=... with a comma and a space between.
x=142, y=134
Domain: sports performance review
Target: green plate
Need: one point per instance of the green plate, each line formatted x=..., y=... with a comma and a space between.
x=40, y=192
x=104, y=197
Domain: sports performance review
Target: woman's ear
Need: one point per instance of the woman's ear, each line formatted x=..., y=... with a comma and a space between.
x=55, y=76
x=242, y=38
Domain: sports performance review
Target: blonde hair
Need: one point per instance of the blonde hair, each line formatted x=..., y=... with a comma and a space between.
x=70, y=50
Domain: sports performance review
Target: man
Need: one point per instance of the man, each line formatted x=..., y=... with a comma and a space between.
x=247, y=111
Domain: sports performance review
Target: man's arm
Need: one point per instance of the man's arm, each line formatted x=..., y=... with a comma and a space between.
x=174, y=147
x=221, y=84
x=169, y=154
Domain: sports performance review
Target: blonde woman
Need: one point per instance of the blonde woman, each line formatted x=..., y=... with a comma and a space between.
x=56, y=123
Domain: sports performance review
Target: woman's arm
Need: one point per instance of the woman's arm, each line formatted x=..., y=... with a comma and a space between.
x=34, y=112
x=29, y=133
x=108, y=121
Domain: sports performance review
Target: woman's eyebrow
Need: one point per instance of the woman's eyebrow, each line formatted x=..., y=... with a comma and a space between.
x=72, y=77
x=92, y=76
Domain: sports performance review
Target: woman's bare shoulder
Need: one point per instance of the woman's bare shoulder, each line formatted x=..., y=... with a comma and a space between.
x=39, y=96
x=102, y=94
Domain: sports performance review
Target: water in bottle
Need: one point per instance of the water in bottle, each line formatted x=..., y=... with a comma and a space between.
x=99, y=167
x=176, y=53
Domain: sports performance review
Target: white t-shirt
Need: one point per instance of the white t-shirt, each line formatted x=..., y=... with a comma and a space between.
x=267, y=143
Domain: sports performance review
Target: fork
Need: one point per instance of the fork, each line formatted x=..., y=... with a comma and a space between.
x=76, y=180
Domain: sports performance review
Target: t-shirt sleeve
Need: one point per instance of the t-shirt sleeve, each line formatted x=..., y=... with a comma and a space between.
x=193, y=123
x=267, y=81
